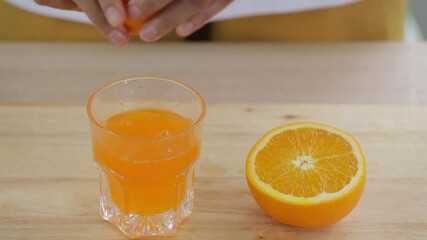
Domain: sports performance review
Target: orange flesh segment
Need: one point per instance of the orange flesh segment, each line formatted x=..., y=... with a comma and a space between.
x=133, y=26
x=306, y=162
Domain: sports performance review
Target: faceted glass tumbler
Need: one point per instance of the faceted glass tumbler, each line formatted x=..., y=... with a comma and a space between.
x=147, y=184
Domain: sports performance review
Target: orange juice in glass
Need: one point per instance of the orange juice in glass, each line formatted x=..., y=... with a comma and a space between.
x=146, y=136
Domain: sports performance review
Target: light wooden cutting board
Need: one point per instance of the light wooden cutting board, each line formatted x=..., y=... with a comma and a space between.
x=49, y=187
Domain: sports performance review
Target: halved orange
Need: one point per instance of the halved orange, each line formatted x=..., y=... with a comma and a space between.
x=306, y=174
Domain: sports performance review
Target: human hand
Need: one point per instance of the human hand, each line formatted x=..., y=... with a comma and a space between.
x=108, y=16
x=186, y=16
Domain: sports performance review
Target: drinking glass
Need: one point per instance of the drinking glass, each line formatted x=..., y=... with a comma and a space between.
x=147, y=183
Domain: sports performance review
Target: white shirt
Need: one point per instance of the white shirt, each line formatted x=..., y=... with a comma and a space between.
x=238, y=9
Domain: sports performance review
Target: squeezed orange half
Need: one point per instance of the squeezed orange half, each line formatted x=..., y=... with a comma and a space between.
x=133, y=26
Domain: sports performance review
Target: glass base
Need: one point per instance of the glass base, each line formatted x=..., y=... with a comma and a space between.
x=134, y=225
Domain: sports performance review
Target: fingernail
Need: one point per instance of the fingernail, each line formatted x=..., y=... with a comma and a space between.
x=134, y=12
x=186, y=29
x=113, y=16
x=148, y=33
x=118, y=38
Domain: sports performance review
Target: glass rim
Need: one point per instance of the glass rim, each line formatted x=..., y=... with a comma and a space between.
x=196, y=123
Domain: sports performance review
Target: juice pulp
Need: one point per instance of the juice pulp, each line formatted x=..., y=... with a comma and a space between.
x=147, y=171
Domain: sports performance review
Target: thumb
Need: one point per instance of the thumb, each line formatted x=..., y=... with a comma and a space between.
x=93, y=10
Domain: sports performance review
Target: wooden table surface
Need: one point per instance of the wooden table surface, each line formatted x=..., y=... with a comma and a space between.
x=376, y=91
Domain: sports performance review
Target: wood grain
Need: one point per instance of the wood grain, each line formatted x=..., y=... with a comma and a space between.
x=350, y=73
x=49, y=187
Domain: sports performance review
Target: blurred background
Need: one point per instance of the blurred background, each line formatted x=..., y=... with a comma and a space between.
x=402, y=20
x=416, y=20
